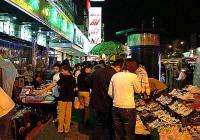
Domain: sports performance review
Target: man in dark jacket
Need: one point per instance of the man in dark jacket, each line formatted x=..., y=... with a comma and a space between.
x=101, y=101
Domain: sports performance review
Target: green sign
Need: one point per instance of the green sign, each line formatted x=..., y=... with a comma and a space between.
x=144, y=39
x=48, y=14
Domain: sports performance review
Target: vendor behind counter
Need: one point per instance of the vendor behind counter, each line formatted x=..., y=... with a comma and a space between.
x=39, y=79
x=156, y=87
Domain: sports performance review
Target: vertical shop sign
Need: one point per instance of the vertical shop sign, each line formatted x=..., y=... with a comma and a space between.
x=95, y=21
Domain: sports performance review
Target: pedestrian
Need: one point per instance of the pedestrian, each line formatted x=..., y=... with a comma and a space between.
x=157, y=87
x=143, y=79
x=123, y=86
x=67, y=85
x=55, y=90
x=181, y=79
x=101, y=102
x=84, y=91
x=28, y=74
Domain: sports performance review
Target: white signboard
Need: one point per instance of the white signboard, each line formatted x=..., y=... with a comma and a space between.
x=78, y=37
x=95, y=20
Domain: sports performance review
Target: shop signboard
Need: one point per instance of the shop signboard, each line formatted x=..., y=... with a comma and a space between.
x=78, y=37
x=87, y=48
x=46, y=13
x=95, y=21
x=144, y=39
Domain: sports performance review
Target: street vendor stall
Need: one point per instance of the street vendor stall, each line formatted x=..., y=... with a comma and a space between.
x=32, y=111
x=174, y=115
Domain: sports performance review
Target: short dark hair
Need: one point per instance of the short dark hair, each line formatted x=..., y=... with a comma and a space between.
x=130, y=65
x=66, y=68
x=57, y=65
x=118, y=62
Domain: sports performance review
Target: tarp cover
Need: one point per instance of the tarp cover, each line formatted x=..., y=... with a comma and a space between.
x=9, y=74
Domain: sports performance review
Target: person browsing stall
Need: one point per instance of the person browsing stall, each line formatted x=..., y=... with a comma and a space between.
x=67, y=85
x=123, y=86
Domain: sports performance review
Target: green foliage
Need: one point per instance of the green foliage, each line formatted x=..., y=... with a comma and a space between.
x=108, y=48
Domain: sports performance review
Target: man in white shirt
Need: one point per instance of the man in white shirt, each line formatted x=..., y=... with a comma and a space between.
x=6, y=111
x=56, y=77
x=181, y=79
x=122, y=87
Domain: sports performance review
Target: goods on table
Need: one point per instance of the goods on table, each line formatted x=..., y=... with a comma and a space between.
x=180, y=108
x=193, y=89
x=164, y=100
x=28, y=95
x=140, y=128
x=174, y=133
x=194, y=131
x=170, y=114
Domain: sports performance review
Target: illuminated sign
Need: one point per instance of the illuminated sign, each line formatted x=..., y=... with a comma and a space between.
x=48, y=15
x=144, y=39
x=95, y=22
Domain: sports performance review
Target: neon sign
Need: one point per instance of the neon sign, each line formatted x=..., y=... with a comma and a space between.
x=47, y=14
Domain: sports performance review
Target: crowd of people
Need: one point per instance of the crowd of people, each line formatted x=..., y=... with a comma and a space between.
x=107, y=88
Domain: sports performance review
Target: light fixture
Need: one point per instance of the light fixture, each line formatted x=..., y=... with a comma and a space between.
x=170, y=46
x=39, y=30
x=182, y=42
x=14, y=18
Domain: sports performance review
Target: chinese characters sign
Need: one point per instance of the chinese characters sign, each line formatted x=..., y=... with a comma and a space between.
x=47, y=14
x=95, y=21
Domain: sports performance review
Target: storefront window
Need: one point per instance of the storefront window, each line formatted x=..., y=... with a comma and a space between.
x=6, y=26
x=1, y=26
x=26, y=33
x=41, y=39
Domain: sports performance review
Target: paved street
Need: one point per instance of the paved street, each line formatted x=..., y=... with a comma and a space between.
x=50, y=133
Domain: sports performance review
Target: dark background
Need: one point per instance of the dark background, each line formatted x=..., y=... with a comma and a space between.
x=177, y=17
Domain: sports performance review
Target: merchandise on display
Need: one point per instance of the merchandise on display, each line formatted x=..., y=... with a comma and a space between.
x=173, y=115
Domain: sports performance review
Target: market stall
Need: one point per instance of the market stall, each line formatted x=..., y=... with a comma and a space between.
x=174, y=114
x=32, y=111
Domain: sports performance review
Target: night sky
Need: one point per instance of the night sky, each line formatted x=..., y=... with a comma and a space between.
x=178, y=17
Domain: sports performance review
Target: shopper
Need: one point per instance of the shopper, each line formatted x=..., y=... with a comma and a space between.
x=55, y=90
x=181, y=79
x=157, y=87
x=67, y=85
x=84, y=91
x=28, y=74
x=6, y=112
x=77, y=71
x=123, y=86
x=143, y=79
x=101, y=102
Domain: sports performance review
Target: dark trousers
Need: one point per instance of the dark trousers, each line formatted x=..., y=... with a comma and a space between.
x=104, y=127
x=5, y=126
x=124, y=121
x=55, y=108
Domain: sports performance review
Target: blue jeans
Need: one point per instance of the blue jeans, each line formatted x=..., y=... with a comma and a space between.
x=124, y=121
